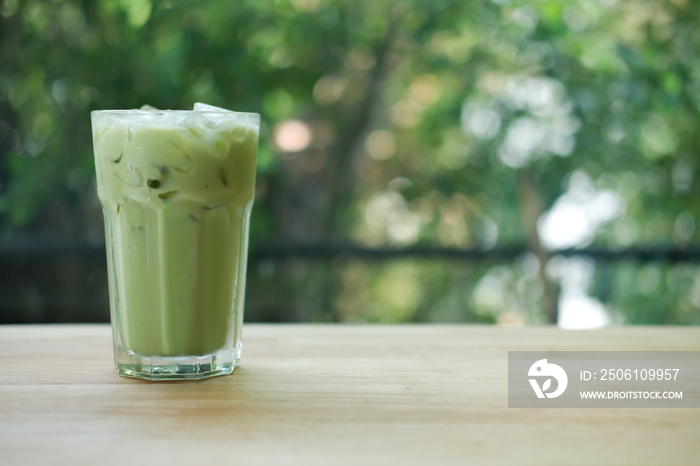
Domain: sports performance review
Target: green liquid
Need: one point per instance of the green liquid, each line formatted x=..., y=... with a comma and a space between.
x=176, y=200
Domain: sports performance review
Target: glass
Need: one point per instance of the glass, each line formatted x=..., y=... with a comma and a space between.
x=176, y=189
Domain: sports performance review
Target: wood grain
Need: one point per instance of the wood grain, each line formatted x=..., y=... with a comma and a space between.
x=321, y=395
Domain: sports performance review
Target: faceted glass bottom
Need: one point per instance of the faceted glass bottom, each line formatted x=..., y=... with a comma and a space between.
x=222, y=362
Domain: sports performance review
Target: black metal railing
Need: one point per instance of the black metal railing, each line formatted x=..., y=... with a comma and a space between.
x=26, y=248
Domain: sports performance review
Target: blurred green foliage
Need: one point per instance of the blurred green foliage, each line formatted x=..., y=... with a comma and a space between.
x=392, y=123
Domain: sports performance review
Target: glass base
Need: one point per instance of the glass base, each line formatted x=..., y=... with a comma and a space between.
x=222, y=362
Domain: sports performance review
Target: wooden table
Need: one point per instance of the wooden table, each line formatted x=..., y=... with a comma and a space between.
x=325, y=395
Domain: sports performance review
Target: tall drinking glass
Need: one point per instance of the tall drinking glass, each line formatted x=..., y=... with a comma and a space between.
x=176, y=189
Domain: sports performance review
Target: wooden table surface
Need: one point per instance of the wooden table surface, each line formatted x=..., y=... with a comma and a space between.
x=325, y=395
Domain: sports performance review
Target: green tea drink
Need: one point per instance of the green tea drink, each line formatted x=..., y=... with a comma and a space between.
x=176, y=189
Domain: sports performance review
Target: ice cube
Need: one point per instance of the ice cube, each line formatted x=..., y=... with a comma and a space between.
x=200, y=107
x=220, y=118
x=134, y=178
x=180, y=161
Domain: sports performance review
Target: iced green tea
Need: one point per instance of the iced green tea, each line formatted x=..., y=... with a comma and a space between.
x=177, y=189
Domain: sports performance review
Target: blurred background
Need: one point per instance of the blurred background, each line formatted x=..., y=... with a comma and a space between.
x=493, y=161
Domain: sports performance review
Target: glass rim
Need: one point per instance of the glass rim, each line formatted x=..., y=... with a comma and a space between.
x=138, y=111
